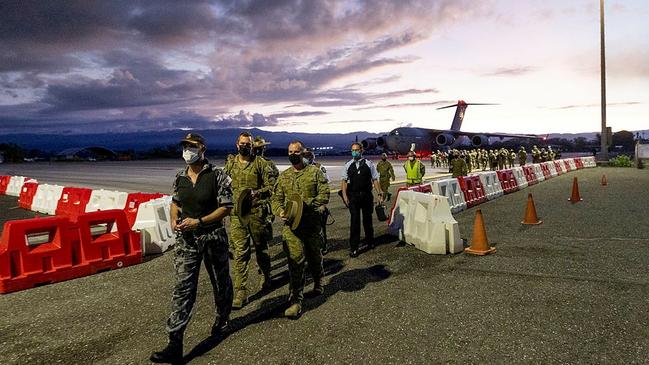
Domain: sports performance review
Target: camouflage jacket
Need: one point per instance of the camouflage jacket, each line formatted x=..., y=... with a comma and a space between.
x=385, y=170
x=309, y=182
x=257, y=174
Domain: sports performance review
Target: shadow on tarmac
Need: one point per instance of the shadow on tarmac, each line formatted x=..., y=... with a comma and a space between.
x=348, y=281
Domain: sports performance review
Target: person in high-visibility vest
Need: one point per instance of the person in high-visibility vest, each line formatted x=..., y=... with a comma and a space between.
x=415, y=170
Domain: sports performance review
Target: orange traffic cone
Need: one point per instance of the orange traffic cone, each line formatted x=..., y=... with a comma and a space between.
x=530, y=212
x=479, y=243
x=604, y=182
x=575, y=198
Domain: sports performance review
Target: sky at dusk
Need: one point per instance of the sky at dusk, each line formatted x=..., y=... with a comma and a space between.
x=319, y=66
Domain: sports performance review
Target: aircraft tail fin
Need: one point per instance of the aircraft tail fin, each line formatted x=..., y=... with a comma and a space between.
x=459, y=112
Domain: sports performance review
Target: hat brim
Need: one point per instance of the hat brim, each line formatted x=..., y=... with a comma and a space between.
x=186, y=142
x=294, y=210
x=244, y=206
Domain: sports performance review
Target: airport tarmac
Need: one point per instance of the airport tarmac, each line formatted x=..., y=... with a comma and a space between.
x=155, y=175
x=572, y=290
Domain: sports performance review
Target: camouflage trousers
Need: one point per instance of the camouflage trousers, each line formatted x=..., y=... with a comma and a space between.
x=260, y=232
x=302, y=246
x=385, y=185
x=210, y=246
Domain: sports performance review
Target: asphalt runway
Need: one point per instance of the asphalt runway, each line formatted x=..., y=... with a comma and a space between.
x=572, y=290
x=153, y=175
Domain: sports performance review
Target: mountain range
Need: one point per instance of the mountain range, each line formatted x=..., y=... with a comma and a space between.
x=217, y=139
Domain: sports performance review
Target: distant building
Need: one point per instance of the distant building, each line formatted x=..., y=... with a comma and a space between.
x=86, y=154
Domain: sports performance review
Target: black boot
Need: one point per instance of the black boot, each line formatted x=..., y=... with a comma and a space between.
x=220, y=329
x=172, y=354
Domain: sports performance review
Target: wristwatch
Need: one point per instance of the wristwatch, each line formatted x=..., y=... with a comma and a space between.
x=200, y=221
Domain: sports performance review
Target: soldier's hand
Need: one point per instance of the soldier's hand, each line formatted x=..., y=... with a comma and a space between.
x=188, y=224
x=282, y=215
x=346, y=201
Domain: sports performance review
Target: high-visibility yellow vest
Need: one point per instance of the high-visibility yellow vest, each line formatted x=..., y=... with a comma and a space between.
x=412, y=173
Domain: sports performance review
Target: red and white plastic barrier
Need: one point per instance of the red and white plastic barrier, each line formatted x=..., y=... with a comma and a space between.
x=47, y=198
x=450, y=188
x=153, y=220
x=40, y=251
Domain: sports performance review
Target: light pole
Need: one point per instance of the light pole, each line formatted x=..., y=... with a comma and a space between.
x=603, y=154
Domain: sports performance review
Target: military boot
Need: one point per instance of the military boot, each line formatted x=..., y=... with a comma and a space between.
x=265, y=283
x=220, y=328
x=172, y=354
x=240, y=299
x=294, y=311
x=318, y=289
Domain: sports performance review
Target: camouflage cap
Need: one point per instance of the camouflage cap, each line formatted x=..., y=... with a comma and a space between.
x=259, y=142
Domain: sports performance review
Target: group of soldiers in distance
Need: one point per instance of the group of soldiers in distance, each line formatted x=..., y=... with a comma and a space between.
x=482, y=159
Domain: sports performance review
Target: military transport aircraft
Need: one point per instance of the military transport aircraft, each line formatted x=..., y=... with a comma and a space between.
x=402, y=139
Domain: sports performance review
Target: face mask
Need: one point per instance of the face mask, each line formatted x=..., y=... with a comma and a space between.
x=356, y=155
x=383, y=158
x=244, y=151
x=295, y=159
x=190, y=155
x=411, y=158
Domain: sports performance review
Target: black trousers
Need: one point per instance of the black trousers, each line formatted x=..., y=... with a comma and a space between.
x=360, y=202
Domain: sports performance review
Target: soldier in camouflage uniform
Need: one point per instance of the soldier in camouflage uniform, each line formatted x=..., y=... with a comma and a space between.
x=458, y=165
x=303, y=244
x=522, y=157
x=511, y=159
x=386, y=173
x=250, y=172
x=324, y=211
x=202, y=197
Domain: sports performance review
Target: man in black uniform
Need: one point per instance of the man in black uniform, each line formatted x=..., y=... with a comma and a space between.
x=202, y=198
x=358, y=176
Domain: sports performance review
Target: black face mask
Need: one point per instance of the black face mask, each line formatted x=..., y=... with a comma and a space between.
x=295, y=159
x=244, y=151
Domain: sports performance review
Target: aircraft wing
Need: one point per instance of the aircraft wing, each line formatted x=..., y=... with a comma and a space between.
x=490, y=134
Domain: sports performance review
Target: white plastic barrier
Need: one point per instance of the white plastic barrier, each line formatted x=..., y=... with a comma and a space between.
x=153, y=220
x=562, y=168
x=539, y=172
x=519, y=175
x=552, y=168
x=589, y=161
x=450, y=188
x=398, y=214
x=16, y=184
x=429, y=225
x=105, y=200
x=572, y=163
x=46, y=198
x=491, y=184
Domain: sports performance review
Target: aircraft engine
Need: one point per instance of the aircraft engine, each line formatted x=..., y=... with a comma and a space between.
x=369, y=143
x=479, y=140
x=444, y=139
x=380, y=142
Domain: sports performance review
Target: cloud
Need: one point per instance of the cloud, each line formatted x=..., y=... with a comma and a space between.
x=86, y=61
x=511, y=71
x=297, y=114
x=408, y=105
x=244, y=120
x=574, y=106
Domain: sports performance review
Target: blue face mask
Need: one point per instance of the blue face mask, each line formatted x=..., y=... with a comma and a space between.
x=356, y=154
